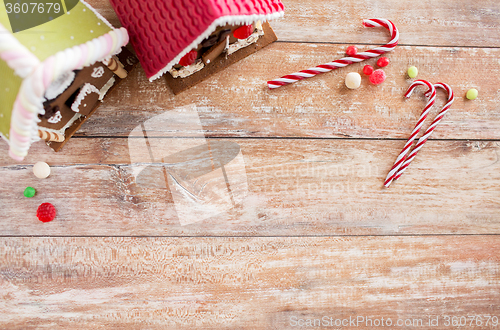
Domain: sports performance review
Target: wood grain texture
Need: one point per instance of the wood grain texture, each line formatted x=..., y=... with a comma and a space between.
x=313, y=156
x=237, y=102
x=426, y=22
x=295, y=187
x=238, y=283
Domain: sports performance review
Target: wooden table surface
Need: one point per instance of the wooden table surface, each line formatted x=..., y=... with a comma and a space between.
x=297, y=231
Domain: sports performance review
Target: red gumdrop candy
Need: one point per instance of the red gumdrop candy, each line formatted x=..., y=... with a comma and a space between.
x=377, y=77
x=189, y=58
x=243, y=32
x=368, y=70
x=351, y=51
x=383, y=61
x=46, y=212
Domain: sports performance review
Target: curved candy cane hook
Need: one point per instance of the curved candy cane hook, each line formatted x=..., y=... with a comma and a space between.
x=431, y=93
x=311, y=72
x=429, y=130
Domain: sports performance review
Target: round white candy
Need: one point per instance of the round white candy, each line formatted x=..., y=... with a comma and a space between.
x=353, y=80
x=41, y=170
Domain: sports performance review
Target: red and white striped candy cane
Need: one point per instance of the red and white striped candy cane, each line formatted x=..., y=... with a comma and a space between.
x=429, y=130
x=431, y=93
x=359, y=57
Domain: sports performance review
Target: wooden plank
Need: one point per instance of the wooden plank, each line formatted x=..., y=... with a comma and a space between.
x=246, y=283
x=237, y=103
x=452, y=23
x=284, y=187
x=444, y=23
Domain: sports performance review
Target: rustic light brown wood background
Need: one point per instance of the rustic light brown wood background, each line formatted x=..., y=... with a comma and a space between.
x=317, y=235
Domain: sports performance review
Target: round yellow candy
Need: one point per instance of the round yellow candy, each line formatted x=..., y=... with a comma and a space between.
x=412, y=72
x=472, y=94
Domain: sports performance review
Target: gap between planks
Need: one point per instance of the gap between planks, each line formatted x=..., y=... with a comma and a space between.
x=379, y=44
x=252, y=236
x=214, y=137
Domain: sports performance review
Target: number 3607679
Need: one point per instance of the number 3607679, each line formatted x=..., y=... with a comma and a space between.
x=33, y=8
x=471, y=321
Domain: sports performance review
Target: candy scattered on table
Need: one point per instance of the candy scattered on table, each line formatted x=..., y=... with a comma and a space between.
x=351, y=51
x=46, y=212
x=376, y=52
x=377, y=77
x=41, y=170
x=412, y=72
x=368, y=70
x=472, y=94
x=29, y=192
x=383, y=61
x=353, y=80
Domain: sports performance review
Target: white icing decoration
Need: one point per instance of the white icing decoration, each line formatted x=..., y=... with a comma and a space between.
x=229, y=49
x=55, y=118
x=63, y=129
x=98, y=72
x=86, y=90
x=242, y=43
x=106, y=87
x=186, y=71
x=59, y=85
x=221, y=21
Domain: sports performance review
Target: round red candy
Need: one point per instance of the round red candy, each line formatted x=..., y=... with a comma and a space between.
x=243, y=32
x=351, y=51
x=368, y=70
x=189, y=58
x=46, y=212
x=383, y=61
x=377, y=77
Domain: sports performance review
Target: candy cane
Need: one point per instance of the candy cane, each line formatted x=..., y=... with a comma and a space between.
x=311, y=72
x=401, y=158
x=429, y=130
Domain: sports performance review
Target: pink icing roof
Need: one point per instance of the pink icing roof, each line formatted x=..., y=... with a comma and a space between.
x=162, y=31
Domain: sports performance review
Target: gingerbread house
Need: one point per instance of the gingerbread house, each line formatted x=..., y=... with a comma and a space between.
x=188, y=40
x=57, y=64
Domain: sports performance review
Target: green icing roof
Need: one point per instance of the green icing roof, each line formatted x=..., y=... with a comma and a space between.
x=75, y=27
x=8, y=92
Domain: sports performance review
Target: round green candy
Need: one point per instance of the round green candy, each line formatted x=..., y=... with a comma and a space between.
x=29, y=192
x=412, y=72
x=472, y=94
